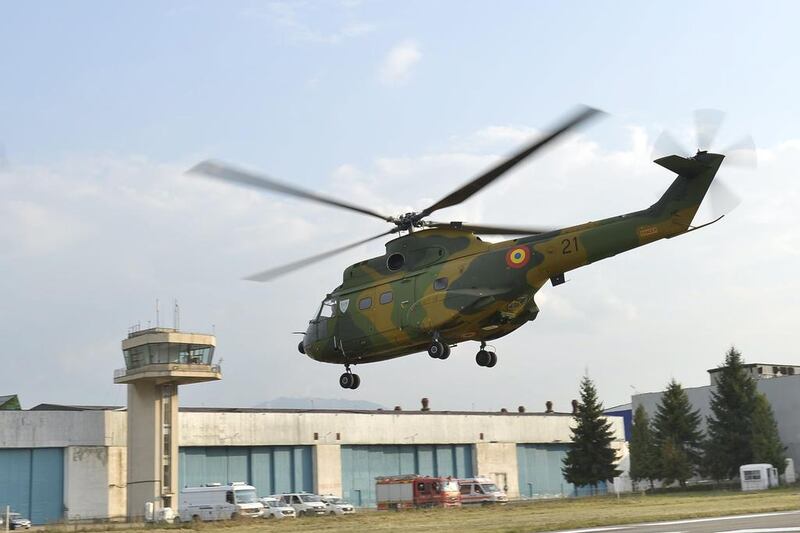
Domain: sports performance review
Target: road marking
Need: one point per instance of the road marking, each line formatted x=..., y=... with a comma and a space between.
x=696, y=521
x=764, y=530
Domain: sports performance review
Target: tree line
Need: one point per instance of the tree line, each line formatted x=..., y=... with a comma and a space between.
x=672, y=447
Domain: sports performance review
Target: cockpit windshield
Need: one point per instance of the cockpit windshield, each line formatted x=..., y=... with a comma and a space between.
x=327, y=309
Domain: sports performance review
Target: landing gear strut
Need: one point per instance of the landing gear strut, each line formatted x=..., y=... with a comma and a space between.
x=348, y=380
x=485, y=357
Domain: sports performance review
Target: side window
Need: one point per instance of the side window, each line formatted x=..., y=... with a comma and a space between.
x=229, y=497
x=420, y=487
x=365, y=303
x=386, y=297
x=296, y=499
x=478, y=489
x=465, y=489
x=440, y=284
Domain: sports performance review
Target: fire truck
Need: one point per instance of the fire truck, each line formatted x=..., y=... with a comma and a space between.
x=412, y=491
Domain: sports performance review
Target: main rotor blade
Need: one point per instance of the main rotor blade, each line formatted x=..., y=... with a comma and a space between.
x=706, y=124
x=488, y=230
x=225, y=172
x=273, y=273
x=467, y=190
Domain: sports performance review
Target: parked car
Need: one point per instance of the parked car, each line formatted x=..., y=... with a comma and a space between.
x=337, y=506
x=15, y=521
x=304, y=503
x=274, y=508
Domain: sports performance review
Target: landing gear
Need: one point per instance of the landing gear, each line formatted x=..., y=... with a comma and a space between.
x=485, y=357
x=439, y=350
x=301, y=348
x=348, y=380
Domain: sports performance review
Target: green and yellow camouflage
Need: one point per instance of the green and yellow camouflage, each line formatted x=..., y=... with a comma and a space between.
x=448, y=284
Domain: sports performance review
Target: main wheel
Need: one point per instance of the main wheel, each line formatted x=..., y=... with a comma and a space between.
x=436, y=349
x=446, y=352
x=301, y=348
x=356, y=381
x=346, y=380
x=483, y=358
x=492, y=359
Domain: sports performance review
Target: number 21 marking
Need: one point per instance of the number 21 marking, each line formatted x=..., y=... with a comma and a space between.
x=569, y=245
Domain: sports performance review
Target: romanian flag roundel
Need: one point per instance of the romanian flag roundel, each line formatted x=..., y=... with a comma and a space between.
x=518, y=256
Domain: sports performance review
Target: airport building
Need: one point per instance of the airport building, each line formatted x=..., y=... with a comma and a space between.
x=67, y=462
x=62, y=462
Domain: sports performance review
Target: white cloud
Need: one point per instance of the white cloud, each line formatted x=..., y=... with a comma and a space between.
x=399, y=62
x=292, y=18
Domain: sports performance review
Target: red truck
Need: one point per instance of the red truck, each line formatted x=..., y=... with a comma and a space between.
x=412, y=491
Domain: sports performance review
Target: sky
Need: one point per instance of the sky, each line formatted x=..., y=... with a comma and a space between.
x=104, y=105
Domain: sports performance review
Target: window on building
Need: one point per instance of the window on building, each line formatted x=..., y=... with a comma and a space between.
x=386, y=297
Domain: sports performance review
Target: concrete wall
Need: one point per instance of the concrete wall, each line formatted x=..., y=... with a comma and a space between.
x=498, y=461
x=328, y=469
x=59, y=429
x=251, y=428
x=94, y=482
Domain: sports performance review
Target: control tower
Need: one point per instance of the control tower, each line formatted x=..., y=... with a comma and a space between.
x=157, y=361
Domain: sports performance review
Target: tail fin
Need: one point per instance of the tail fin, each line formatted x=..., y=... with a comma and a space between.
x=683, y=197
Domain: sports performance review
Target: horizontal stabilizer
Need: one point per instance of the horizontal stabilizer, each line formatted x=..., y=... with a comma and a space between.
x=682, y=166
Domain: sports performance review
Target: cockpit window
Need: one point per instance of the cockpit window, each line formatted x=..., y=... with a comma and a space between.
x=365, y=303
x=328, y=308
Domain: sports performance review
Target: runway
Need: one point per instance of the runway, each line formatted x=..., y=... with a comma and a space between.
x=783, y=522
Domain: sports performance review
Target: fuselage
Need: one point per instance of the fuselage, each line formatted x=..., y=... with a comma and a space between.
x=450, y=285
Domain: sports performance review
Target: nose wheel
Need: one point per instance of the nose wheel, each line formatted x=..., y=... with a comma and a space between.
x=439, y=350
x=485, y=357
x=348, y=380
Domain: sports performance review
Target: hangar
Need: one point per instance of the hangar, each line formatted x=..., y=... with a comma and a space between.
x=70, y=462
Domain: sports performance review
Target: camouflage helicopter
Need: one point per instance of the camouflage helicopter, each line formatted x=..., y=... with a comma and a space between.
x=439, y=284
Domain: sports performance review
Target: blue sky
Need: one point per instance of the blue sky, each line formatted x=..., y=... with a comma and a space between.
x=102, y=105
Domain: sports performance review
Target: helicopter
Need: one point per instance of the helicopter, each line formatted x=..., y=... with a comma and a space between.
x=440, y=284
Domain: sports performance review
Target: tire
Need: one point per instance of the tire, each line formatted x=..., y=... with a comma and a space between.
x=302, y=514
x=346, y=382
x=436, y=349
x=493, y=359
x=356, y=382
x=301, y=348
x=483, y=358
x=446, y=352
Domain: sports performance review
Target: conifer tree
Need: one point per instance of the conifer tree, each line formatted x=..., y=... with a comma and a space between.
x=642, y=451
x=676, y=436
x=590, y=458
x=730, y=426
x=767, y=446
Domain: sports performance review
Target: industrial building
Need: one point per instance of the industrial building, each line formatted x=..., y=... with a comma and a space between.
x=779, y=383
x=66, y=462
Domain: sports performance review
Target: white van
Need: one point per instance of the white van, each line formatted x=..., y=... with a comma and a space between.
x=219, y=502
x=480, y=490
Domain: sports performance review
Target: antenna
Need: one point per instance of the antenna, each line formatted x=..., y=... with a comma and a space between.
x=176, y=315
x=157, y=317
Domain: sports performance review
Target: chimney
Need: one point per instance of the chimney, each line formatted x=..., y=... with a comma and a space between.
x=548, y=406
x=425, y=405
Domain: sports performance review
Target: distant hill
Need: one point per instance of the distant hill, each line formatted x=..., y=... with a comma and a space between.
x=318, y=403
